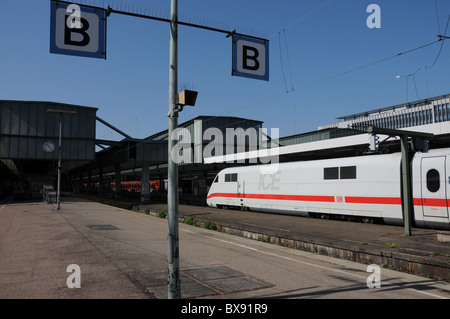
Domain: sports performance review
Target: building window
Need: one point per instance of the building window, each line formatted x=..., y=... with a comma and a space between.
x=433, y=182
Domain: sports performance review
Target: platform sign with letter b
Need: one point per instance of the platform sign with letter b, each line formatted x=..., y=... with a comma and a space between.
x=250, y=57
x=77, y=30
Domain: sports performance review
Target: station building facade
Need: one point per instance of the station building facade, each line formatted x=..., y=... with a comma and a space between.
x=417, y=113
x=138, y=167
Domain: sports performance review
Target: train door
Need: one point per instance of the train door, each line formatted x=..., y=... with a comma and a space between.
x=434, y=187
x=231, y=189
x=237, y=185
x=241, y=191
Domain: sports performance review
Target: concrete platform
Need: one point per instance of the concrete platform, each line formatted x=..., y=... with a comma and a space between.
x=37, y=242
x=424, y=253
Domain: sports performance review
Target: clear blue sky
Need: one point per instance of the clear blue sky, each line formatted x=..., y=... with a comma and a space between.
x=130, y=88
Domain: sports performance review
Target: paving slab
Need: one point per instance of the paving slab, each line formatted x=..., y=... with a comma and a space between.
x=424, y=253
x=37, y=243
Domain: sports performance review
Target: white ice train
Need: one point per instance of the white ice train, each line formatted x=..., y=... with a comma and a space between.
x=364, y=186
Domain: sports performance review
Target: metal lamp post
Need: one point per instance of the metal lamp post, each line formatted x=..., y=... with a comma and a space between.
x=174, y=291
x=61, y=113
x=176, y=103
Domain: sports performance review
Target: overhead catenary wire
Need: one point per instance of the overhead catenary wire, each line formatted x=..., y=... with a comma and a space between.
x=327, y=78
x=437, y=16
x=442, y=39
x=281, y=61
x=442, y=44
x=353, y=88
x=415, y=86
x=285, y=41
x=278, y=33
x=333, y=76
x=303, y=17
x=366, y=65
x=345, y=72
x=338, y=74
x=266, y=99
x=288, y=60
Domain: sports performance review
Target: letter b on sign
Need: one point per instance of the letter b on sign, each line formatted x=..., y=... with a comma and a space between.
x=250, y=57
x=77, y=30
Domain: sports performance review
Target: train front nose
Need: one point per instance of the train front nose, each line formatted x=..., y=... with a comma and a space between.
x=210, y=201
x=210, y=197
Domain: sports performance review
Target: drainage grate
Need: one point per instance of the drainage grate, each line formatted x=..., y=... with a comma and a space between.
x=201, y=282
x=102, y=227
x=225, y=280
x=212, y=273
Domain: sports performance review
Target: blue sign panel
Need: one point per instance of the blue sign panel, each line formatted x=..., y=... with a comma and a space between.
x=250, y=57
x=77, y=30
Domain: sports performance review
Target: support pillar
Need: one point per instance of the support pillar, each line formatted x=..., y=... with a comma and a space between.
x=145, y=182
x=101, y=187
x=89, y=183
x=406, y=179
x=118, y=179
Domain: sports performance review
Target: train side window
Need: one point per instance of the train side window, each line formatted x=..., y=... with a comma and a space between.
x=331, y=173
x=348, y=172
x=433, y=181
x=231, y=177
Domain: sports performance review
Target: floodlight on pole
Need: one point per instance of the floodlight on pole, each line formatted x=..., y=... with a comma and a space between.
x=186, y=97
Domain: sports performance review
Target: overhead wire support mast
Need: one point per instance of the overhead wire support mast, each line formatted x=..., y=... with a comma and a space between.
x=173, y=281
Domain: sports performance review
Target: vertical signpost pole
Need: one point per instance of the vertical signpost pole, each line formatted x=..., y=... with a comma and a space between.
x=61, y=113
x=172, y=194
x=58, y=191
x=250, y=59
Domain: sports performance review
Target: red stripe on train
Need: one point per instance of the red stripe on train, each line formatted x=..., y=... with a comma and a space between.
x=307, y=198
x=330, y=199
x=374, y=200
x=436, y=202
